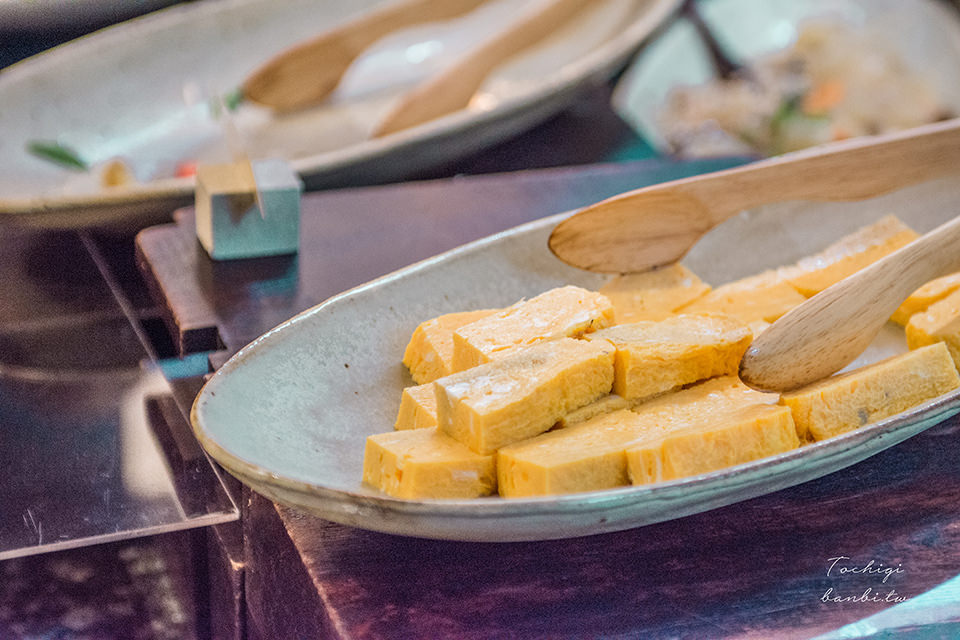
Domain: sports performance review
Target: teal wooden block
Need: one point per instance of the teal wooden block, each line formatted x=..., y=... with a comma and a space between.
x=229, y=221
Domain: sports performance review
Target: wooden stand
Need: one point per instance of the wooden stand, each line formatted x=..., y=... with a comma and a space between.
x=754, y=569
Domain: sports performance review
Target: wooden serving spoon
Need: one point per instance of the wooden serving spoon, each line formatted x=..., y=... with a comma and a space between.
x=452, y=89
x=646, y=228
x=305, y=74
x=825, y=333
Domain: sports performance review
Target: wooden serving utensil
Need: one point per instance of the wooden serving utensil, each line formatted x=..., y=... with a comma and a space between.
x=825, y=333
x=452, y=89
x=646, y=228
x=305, y=74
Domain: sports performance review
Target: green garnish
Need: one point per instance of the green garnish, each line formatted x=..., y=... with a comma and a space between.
x=791, y=128
x=789, y=108
x=58, y=154
x=230, y=101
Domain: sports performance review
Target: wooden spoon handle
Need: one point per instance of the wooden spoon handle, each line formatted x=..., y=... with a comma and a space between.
x=452, y=89
x=657, y=225
x=308, y=72
x=850, y=170
x=934, y=254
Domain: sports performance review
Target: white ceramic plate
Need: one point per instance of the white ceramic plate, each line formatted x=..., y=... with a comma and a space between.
x=140, y=91
x=924, y=33
x=288, y=415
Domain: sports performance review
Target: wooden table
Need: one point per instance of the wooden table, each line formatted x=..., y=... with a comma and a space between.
x=758, y=569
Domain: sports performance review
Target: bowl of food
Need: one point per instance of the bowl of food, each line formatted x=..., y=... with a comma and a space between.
x=814, y=72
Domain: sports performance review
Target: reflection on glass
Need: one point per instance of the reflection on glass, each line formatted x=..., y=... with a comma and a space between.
x=81, y=459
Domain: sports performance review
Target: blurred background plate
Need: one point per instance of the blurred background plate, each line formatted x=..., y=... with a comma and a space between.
x=141, y=92
x=923, y=34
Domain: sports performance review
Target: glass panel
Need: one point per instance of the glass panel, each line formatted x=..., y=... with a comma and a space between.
x=92, y=446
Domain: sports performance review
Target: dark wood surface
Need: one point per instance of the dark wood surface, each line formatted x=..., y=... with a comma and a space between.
x=225, y=581
x=753, y=570
x=222, y=549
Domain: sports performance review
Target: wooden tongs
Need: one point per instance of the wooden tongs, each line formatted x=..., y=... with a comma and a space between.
x=308, y=72
x=657, y=225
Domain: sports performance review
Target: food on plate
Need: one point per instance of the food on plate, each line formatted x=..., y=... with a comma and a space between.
x=834, y=82
x=563, y=312
x=767, y=296
x=418, y=408
x=58, y=154
x=760, y=298
x=853, y=252
x=653, y=357
x=939, y=323
x=921, y=299
x=606, y=404
x=112, y=173
x=523, y=394
x=424, y=463
x=229, y=101
x=757, y=327
x=185, y=169
x=592, y=455
x=429, y=354
x=116, y=173
x=552, y=400
x=585, y=457
x=653, y=295
x=851, y=400
x=715, y=442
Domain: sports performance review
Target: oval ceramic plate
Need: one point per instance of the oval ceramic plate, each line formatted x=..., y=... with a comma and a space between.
x=925, y=34
x=142, y=91
x=288, y=415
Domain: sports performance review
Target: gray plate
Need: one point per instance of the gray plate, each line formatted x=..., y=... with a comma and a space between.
x=288, y=414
